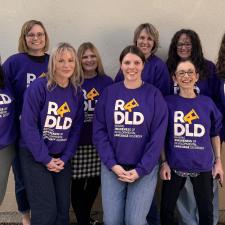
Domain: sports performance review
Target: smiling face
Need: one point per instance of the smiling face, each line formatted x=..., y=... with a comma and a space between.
x=89, y=63
x=186, y=76
x=184, y=46
x=145, y=43
x=64, y=67
x=35, y=40
x=132, y=67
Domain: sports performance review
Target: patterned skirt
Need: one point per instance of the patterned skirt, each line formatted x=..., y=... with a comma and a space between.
x=85, y=163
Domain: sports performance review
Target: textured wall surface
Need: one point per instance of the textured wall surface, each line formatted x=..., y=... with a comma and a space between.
x=110, y=24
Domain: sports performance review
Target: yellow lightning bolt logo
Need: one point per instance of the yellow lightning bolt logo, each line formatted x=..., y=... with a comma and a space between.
x=192, y=115
x=43, y=75
x=130, y=105
x=64, y=108
x=92, y=93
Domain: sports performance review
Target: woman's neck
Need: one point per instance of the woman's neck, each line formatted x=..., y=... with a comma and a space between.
x=89, y=74
x=62, y=83
x=187, y=93
x=133, y=84
x=36, y=53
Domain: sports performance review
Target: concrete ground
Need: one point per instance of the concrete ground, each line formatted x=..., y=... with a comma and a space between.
x=10, y=216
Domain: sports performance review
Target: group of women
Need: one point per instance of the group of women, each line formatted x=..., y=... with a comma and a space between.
x=74, y=120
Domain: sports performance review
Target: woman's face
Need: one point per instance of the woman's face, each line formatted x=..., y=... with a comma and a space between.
x=132, y=67
x=184, y=46
x=185, y=75
x=145, y=43
x=35, y=40
x=64, y=66
x=89, y=62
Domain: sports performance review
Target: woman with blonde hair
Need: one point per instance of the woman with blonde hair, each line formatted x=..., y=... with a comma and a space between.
x=86, y=163
x=155, y=72
x=51, y=121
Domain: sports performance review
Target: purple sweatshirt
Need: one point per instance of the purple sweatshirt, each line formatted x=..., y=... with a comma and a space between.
x=51, y=121
x=92, y=89
x=129, y=126
x=192, y=123
x=155, y=72
x=20, y=70
x=7, y=118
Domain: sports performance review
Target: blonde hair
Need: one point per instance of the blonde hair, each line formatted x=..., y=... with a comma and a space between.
x=152, y=31
x=77, y=77
x=27, y=26
x=83, y=48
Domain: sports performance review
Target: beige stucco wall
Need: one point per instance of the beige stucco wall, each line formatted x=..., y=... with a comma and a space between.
x=110, y=24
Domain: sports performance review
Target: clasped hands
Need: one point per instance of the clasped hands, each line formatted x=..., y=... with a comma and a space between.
x=55, y=165
x=126, y=176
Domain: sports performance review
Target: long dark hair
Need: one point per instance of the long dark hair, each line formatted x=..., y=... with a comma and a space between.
x=220, y=65
x=2, y=84
x=196, y=53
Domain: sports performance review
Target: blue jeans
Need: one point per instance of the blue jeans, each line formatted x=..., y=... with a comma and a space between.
x=187, y=208
x=21, y=195
x=48, y=192
x=127, y=203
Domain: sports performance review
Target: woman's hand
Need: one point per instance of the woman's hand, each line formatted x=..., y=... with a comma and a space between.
x=130, y=177
x=119, y=170
x=217, y=171
x=125, y=176
x=55, y=165
x=165, y=172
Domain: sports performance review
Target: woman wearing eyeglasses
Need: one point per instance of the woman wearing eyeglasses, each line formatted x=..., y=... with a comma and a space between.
x=192, y=146
x=20, y=70
x=186, y=44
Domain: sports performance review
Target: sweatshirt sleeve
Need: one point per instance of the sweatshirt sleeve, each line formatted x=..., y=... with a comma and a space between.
x=157, y=136
x=30, y=128
x=74, y=135
x=119, y=77
x=162, y=78
x=101, y=133
x=7, y=68
x=216, y=120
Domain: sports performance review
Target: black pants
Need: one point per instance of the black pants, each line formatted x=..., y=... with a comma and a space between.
x=83, y=194
x=203, y=192
x=48, y=192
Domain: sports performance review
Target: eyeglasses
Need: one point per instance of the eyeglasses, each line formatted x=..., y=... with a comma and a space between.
x=38, y=35
x=186, y=45
x=181, y=73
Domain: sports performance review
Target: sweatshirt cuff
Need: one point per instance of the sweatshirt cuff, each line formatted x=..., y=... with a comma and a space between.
x=65, y=158
x=46, y=160
x=110, y=164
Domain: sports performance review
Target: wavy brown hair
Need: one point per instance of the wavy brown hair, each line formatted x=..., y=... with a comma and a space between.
x=220, y=65
x=196, y=57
